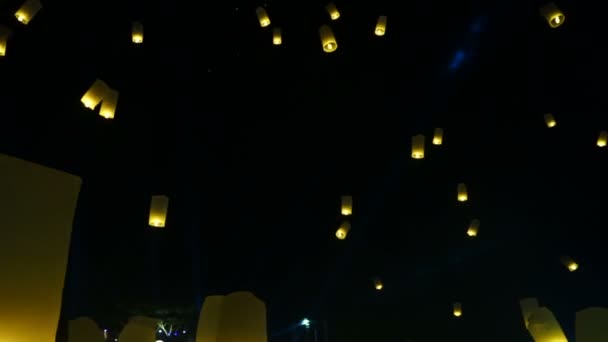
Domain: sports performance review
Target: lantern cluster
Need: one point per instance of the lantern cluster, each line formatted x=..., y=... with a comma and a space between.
x=346, y=211
x=98, y=93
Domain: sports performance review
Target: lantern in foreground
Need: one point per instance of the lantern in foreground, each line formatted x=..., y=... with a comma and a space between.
x=137, y=32
x=28, y=10
x=158, y=211
x=277, y=38
x=418, y=146
x=473, y=228
x=5, y=33
x=380, y=26
x=108, y=104
x=463, y=195
x=569, y=263
x=550, y=120
x=328, y=40
x=602, y=139
x=457, y=309
x=347, y=205
x=95, y=94
x=554, y=16
x=438, y=136
x=343, y=230
x=333, y=11
x=378, y=284
x=262, y=16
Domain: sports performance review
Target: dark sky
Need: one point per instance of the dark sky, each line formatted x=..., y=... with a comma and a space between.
x=254, y=144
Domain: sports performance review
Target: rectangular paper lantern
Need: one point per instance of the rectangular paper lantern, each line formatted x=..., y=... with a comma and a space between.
x=343, y=230
x=463, y=195
x=602, y=139
x=108, y=104
x=550, y=120
x=158, y=211
x=5, y=33
x=438, y=136
x=137, y=33
x=28, y=10
x=95, y=94
x=473, y=228
x=569, y=263
x=347, y=205
x=37, y=206
x=553, y=15
x=328, y=40
x=381, y=26
x=418, y=146
x=457, y=309
x=331, y=8
x=262, y=16
x=378, y=284
x=277, y=38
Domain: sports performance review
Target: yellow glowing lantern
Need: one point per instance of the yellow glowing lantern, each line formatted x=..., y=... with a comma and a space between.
x=108, y=104
x=602, y=139
x=550, y=120
x=473, y=228
x=262, y=16
x=463, y=195
x=554, y=16
x=137, y=32
x=343, y=230
x=333, y=11
x=277, y=37
x=5, y=33
x=438, y=136
x=95, y=94
x=347, y=205
x=28, y=10
x=569, y=263
x=158, y=211
x=418, y=146
x=328, y=40
x=457, y=309
x=381, y=26
x=378, y=284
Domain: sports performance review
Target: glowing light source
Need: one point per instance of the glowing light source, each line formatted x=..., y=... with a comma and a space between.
x=343, y=230
x=378, y=284
x=380, y=26
x=262, y=16
x=602, y=139
x=569, y=263
x=347, y=205
x=328, y=40
x=108, y=104
x=473, y=228
x=418, y=146
x=277, y=38
x=552, y=14
x=438, y=136
x=158, y=211
x=550, y=120
x=463, y=195
x=331, y=8
x=28, y=10
x=137, y=33
x=457, y=309
x=5, y=33
x=305, y=322
x=95, y=94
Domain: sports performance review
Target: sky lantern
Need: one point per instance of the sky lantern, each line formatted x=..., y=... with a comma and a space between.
x=28, y=10
x=473, y=228
x=95, y=94
x=550, y=120
x=418, y=146
x=438, y=136
x=108, y=104
x=554, y=16
x=328, y=40
x=463, y=195
x=378, y=284
x=137, y=32
x=158, y=211
x=262, y=16
x=380, y=26
x=457, y=309
x=569, y=263
x=347, y=205
x=343, y=230
x=331, y=8
x=277, y=37
x=5, y=33
x=602, y=139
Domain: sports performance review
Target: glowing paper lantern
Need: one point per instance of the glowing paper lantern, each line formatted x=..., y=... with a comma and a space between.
x=84, y=329
x=473, y=228
x=139, y=329
x=343, y=230
x=592, y=325
x=553, y=15
x=438, y=136
x=457, y=309
x=137, y=33
x=347, y=205
x=333, y=11
x=418, y=146
x=108, y=104
x=569, y=263
x=528, y=306
x=463, y=195
x=95, y=94
x=328, y=40
x=5, y=33
x=262, y=16
x=378, y=284
x=380, y=26
x=158, y=211
x=277, y=38
x=28, y=10
x=541, y=322
x=550, y=120
x=602, y=139
x=37, y=206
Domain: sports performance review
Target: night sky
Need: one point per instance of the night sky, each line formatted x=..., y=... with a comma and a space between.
x=254, y=144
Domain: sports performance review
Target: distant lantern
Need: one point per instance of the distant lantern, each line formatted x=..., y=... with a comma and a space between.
x=5, y=33
x=602, y=139
x=381, y=26
x=418, y=146
x=343, y=230
x=158, y=211
x=331, y=8
x=550, y=120
x=95, y=94
x=378, y=284
x=347, y=205
x=438, y=136
x=262, y=16
x=569, y=263
x=328, y=40
x=554, y=16
x=137, y=32
x=457, y=309
x=28, y=10
x=277, y=37
x=463, y=195
x=473, y=228
x=108, y=104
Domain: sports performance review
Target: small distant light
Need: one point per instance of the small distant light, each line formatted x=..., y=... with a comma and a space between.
x=160, y=341
x=115, y=340
x=160, y=331
x=183, y=332
x=305, y=322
